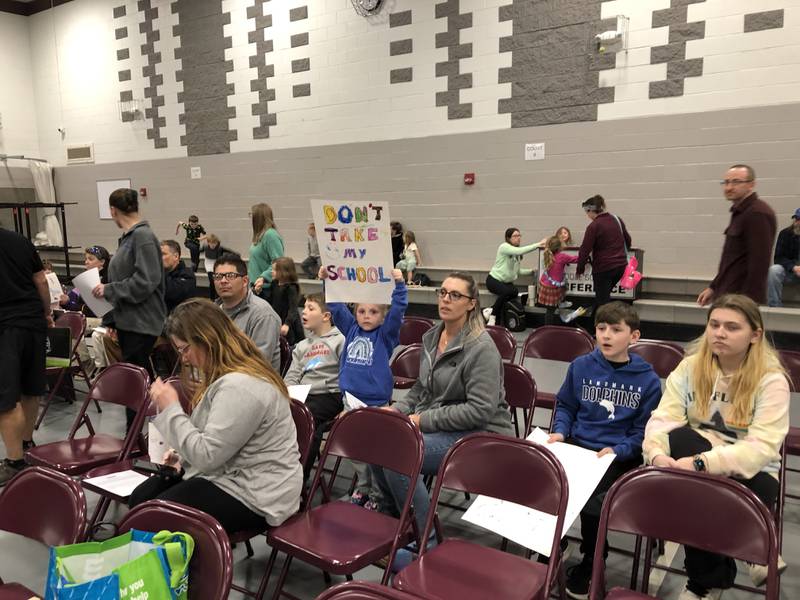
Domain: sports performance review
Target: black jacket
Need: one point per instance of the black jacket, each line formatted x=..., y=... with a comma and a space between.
x=180, y=284
x=787, y=250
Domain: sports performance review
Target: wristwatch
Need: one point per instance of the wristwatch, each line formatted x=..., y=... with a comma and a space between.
x=699, y=463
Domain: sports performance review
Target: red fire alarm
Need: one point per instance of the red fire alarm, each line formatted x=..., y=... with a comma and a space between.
x=469, y=178
x=143, y=192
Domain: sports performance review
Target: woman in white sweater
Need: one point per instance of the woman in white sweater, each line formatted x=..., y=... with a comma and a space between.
x=725, y=411
x=237, y=452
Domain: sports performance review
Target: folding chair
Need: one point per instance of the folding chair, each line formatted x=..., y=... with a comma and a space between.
x=413, y=328
x=663, y=357
x=286, y=355
x=504, y=340
x=304, y=423
x=791, y=362
x=361, y=590
x=211, y=567
x=76, y=323
x=121, y=383
x=712, y=513
x=520, y=390
x=163, y=354
x=481, y=463
x=340, y=537
x=558, y=343
x=405, y=366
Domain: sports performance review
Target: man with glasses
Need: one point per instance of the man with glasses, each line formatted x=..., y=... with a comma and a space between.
x=253, y=315
x=746, y=254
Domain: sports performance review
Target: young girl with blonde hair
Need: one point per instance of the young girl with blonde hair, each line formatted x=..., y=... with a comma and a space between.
x=552, y=284
x=725, y=411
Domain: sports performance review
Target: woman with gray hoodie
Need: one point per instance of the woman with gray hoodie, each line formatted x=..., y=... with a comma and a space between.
x=459, y=391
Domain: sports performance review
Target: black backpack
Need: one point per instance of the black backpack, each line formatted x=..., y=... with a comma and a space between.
x=422, y=280
x=514, y=316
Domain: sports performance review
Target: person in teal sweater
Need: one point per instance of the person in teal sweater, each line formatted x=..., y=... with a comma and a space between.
x=267, y=247
x=506, y=269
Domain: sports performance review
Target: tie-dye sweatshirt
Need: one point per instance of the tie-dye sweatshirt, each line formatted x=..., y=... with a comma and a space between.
x=740, y=449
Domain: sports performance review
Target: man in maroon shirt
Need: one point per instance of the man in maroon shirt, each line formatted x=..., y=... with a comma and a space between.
x=747, y=253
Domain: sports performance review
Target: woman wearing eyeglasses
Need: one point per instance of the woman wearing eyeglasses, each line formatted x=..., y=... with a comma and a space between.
x=459, y=390
x=236, y=454
x=605, y=241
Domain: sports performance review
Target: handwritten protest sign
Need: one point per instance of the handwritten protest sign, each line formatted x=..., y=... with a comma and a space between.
x=355, y=249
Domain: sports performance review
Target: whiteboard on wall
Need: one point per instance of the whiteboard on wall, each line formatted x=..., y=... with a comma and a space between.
x=104, y=189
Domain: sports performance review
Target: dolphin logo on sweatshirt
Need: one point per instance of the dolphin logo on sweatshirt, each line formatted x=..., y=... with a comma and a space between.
x=609, y=406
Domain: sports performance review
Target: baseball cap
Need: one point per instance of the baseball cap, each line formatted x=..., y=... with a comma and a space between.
x=796, y=214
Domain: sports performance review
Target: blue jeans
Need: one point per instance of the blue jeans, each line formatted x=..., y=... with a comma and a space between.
x=776, y=277
x=395, y=486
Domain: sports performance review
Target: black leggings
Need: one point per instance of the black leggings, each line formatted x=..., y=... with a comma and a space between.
x=705, y=569
x=136, y=348
x=505, y=292
x=324, y=408
x=604, y=282
x=203, y=495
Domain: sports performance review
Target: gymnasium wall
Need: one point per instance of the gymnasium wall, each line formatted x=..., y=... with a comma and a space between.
x=286, y=100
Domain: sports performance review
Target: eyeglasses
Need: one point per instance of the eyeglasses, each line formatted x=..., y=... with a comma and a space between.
x=182, y=350
x=229, y=276
x=734, y=181
x=453, y=296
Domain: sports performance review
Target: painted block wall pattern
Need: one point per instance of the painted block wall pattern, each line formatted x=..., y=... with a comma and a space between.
x=222, y=76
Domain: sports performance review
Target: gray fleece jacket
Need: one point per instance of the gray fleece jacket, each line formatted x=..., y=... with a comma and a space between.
x=460, y=389
x=315, y=362
x=136, y=283
x=259, y=321
x=242, y=438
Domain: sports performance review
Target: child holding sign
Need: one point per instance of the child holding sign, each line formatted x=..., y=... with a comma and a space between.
x=370, y=337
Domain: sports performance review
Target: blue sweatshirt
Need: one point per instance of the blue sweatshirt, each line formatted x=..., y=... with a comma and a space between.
x=599, y=406
x=364, y=371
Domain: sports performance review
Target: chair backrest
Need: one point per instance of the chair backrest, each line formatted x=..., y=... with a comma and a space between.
x=211, y=566
x=286, y=356
x=413, y=328
x=664, y=358
x=520, y=390
x=484, y=463
x=504, y=340
x=363, y=590
x=406, y=362
x=44, y=505
x=791, y=362
x=304, y=423
x=76, y=323
x=712, y=513
x=555, y=342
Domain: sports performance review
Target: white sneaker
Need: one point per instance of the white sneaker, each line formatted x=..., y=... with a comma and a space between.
x=565, y=304
x=487, y=312
x=758, y=573
x=491, y=320
x=712, y=594
x=578, y=312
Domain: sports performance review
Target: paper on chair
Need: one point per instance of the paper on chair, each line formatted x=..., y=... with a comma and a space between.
x=532, y=528
x=351, y=402
x=86, y=282
x=54, y=286
x=119, y=484
x=299, y=392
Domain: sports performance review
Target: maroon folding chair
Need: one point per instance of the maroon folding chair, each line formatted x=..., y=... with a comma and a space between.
x=504, y=340
x=413, y=328
x=304, y=423
x=694, y=509
x=121, y=383
x=163, y=353
x=211, y=566
x=76, y=323
x=790, y=359
x=520, y=390
x=340, y=537
x=663, y=357
x=405, y=366
x=455, y=568
x=555, y=342
x=361, y=590
x=286, y=356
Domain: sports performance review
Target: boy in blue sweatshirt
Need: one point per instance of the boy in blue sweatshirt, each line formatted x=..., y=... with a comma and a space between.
x=370, y=337
x=603, y=405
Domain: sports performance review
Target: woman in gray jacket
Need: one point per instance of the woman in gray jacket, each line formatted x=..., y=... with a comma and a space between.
x=236, y=454
x=459, y=390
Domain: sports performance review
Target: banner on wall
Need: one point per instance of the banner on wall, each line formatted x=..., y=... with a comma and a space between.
x=584, y=287
x=355, y=249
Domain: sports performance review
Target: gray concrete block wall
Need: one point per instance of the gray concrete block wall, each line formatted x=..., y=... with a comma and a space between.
x=658, y=173
x=676, y=17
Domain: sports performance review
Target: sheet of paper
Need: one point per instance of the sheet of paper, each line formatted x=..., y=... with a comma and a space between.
x=299, y=392
x=156, y=446
x=535, y=529
x=120, y=484
x=54, y=285
x=351, y=402
x=86, y=282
